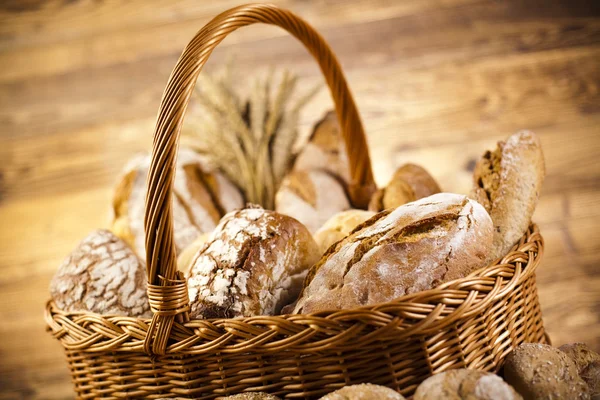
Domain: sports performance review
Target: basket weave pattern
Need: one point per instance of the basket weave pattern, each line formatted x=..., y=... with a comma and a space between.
x=472, y=322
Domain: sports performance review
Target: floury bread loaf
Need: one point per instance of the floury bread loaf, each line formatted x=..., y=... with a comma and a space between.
x=253, y=263
x=412, y=248
x=201, y=196
x=507, y=182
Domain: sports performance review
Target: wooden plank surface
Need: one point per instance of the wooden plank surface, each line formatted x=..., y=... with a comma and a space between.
x=437, y=83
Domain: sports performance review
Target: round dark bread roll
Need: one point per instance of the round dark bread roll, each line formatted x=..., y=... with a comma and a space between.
x=542, y=372
x=591, y=376
x=469, y=384
x=581, y=355
x=507, y=182
x=253, y=263
x=415, y=247
x=364, y=391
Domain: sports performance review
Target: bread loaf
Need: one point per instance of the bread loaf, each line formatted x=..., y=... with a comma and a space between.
x=200, y=197
x=507, y=182
x=469, y=384
x=364, y=391
x=311, y=197
x=542, y=372
x=253, y=263
x=412, y=248
x=102, y=275
x=409, y=183
x=339, y=226
x=251, y=396
x=325, y=150
x=587, y=362
x=184, y=260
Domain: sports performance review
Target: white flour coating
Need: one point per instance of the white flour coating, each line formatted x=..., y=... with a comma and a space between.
x=102, y=275
x=190, y=215
x=250, y=266
x=492, y=387
x=330, y=199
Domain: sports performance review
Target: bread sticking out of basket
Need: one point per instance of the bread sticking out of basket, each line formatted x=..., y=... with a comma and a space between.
x=442, y=282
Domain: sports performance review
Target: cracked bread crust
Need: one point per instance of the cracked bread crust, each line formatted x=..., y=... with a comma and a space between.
x=253, y=263
x=507, y=182
x=405, y=250
x=364, y=391
x=102, y=275
x=201, y=196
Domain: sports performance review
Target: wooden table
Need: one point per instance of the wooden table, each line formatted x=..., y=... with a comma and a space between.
x=437, y=82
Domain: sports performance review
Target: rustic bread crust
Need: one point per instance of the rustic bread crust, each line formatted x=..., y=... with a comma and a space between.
x=364, y=391
x=406, y=250
x=102, y=275
x=339, y=226
x=253, y=263
x=507, y=182
x=410, y=182
x=465, y=384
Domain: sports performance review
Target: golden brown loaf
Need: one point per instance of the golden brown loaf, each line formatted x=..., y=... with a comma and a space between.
x=469, y=384
x=200, y=197
x=185, y=258
x=507, y=182
x=339, y=226
x=364, y=391
x=409, y=183
x=251, y=396
x=102, y=275
x=412, y=248
x=311, y=197
x=542, y=372
x=325, y=150
x=253, y=264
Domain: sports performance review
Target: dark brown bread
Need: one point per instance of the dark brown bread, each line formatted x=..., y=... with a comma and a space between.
x=507, y=182
x=102, y=275
x=410, y=182
x=542, y=372
x=253, y=263
x=587, y=362
x=415, y=247
x=364, y=391
x=469, y=384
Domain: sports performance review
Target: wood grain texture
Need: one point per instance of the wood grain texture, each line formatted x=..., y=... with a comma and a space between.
x=437, y=82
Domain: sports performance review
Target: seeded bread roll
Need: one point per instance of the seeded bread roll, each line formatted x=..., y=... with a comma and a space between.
x=312, y=197
x=339, y=226
x=587, y=362
x=469, y=384
x=415, y=247
x=253, y=263
x=409, y=183
x=325, y=150
x=364, y=391
x=542, y=372
x=201, y=196
x=102, y=275
x=507, y=182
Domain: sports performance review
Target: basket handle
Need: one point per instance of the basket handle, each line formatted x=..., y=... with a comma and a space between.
x=167, y=290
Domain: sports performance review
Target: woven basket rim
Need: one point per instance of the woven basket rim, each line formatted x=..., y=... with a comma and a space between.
x=418, y=313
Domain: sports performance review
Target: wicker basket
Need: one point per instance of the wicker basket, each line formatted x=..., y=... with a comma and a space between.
x=472, y=322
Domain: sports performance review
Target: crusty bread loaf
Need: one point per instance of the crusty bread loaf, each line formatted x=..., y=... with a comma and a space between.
x=102, y=275
x=325, y=150
x=339, y=226
x=252, y=264
x=469, y=384
x=410, y=182
x=587, y=362
x=507, y=182
x=201, y=196
x=251, y=396
x=364, y=391
x=412, y=248
x=542, y=372
x=311, y=197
